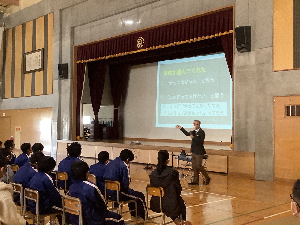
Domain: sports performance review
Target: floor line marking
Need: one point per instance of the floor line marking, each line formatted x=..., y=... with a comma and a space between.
x=266, y=217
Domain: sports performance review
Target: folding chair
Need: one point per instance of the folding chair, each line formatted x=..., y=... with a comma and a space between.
x=92, y=178
x=62, y=176
x=158, y=192
x=19, y=190
x=33, y=195
x=73, y=206
x=115, y=186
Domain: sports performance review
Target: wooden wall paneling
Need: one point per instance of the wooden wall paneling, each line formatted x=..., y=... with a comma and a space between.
x=50, y=54
x=28, y=48
x=8, y=64
x=283, y=35
x=18, y=61
x=39, y=45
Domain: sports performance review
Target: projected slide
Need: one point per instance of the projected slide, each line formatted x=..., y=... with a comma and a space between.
x=194, y=88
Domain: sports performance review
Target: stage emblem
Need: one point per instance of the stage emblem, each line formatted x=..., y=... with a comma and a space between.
x=140, y=42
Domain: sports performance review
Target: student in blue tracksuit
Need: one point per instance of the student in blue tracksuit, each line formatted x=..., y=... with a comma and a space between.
x=117, y=170
x=74, y=151
x=98, y=169
x=24, y=157
x=94, y=208
x=26, y=172
x=50, y=199
x=9, y=176
x=37, y=147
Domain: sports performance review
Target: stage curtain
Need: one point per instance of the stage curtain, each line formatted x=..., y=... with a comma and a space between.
x=80, y=79
x=227, y=43
x=96, y=73
x=119, y=74
x=195, y=29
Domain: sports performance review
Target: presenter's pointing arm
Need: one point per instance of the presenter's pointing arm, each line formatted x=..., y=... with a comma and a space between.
x=183, y=130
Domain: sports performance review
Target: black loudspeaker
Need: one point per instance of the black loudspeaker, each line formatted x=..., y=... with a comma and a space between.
x=63, y=70
x=243, y=38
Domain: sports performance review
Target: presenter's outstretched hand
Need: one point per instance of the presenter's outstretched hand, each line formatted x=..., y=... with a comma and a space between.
x=178, y=126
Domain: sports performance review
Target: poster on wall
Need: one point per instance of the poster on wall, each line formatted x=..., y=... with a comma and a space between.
x=33, y=61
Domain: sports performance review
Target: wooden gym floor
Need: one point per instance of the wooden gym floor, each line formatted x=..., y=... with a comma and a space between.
x=230, y=200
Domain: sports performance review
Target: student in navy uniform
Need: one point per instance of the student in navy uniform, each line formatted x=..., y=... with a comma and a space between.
x=9, y=144
x=50, y=199
x=24, y=157
x=94, y=208
x=74, y=151
x=37, y=147
x=117, y=170
x=98, y=169
x=26, y=172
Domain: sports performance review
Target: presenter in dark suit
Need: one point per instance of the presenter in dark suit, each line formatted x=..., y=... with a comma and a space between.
x=197, y=149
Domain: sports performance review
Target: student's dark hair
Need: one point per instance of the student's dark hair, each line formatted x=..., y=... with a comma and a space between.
x=4, y=152
x=126, y=154
x=296, y=191
x=37, y=147
x=36, y=157
x=74, y=149
x=3, y=161
x=79, y=170
x=103, y=156
x=0, y=143
x=162, y=157
x=46, y=164
x=25, y=147
x=8, y=143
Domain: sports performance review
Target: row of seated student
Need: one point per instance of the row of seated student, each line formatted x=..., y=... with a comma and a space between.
x=23, y=158
x=94, y=208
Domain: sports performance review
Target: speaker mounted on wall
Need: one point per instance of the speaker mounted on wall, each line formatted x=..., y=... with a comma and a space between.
x=243, y=38
x=63, y=70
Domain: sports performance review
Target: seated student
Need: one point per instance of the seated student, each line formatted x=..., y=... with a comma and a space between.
x=9, y=144
x=98, y=169
x=24, y=157
x=37, y=147
x=117, y=170
x=94, y=208
x=49, y=198
x=26, y=172
x=9, y=214
x=74, y=151
x=168, y=178
x=9, y=176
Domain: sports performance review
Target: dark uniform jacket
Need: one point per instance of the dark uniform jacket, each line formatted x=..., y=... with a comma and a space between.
x=172, y=203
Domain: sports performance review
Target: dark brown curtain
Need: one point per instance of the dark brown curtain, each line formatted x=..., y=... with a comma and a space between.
x=191, y=30
x=80, y=80
x=227, y=43
x=96, y=73
x=118, y=74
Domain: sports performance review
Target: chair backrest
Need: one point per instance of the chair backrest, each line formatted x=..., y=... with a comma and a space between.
x=18, y=188
x=155, y=191
x=112, y=185
x=92, y=178
x=62, y=176
x=14, y=167
x=72, y=205
x=31, y=195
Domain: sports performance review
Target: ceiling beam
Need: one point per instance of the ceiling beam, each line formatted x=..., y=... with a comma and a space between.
x=12, y=2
